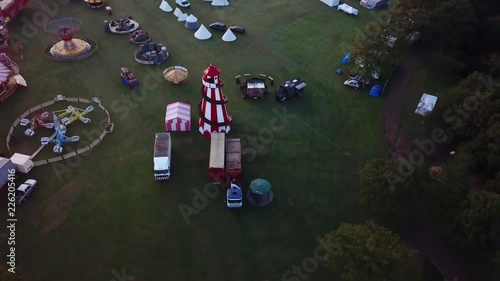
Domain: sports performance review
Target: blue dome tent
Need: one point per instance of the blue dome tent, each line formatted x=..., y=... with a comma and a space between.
x=375, y=91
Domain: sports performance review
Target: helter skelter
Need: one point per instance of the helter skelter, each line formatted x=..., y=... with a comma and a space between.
x=212, y=108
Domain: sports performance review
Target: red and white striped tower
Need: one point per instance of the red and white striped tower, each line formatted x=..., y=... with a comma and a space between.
x=212, y=108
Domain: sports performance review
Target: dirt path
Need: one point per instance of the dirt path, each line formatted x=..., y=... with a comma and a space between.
x=416, y=232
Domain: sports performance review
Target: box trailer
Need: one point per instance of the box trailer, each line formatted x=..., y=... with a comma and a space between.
x=162, y=156
x=23, y=163
x=6, y=167
x=216, y=164
x=233, y=160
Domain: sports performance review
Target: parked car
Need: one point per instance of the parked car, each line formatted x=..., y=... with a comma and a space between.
x=237, y=29
x=290, y=89
x=25, y=190
x=359, y=78
x=219, y=26
x=355, y=84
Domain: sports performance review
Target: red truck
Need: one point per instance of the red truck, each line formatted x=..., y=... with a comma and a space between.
x=233, y=160
x=216, y=164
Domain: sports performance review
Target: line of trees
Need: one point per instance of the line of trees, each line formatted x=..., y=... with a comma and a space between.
x=464, y=36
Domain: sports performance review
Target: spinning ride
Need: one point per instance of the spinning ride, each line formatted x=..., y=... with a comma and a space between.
x=151, y=53
x=175, y=74
x=69, y=48
x=140, y=37
x=121, y=26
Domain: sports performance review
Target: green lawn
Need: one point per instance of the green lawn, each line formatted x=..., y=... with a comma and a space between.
x=107, y=213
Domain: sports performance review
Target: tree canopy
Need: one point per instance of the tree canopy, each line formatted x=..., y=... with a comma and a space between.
x=369, y=252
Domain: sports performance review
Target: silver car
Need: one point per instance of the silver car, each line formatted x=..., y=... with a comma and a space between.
x=24, y=190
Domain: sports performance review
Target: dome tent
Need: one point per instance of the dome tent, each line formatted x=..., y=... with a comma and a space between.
x=228, y=36
x=192, y=22
x=259, y=193
x=164, y=6
x=202, y=33
x=182, y=17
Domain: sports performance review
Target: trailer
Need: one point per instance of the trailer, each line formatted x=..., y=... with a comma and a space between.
x=233, y=160
x=6, y=169
x=162, y=156
x=290, y=89
x=216, y=164
x=22, y=162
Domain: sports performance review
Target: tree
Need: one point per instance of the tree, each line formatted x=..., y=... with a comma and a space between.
x=478, y=222
x=496, y=266
x=369, y=252
x=379, y=190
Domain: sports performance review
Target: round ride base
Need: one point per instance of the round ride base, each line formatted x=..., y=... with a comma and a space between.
x=85, y=48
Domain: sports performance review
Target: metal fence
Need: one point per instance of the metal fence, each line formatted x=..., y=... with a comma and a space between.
x=31, y=111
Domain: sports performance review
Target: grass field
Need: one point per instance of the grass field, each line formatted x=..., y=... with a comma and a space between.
x=104, y=212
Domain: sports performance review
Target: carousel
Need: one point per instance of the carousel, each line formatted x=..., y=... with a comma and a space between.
x=121, y=26
x=140, y=37
x=94, y=4
x=175, y=74
x=151, y=53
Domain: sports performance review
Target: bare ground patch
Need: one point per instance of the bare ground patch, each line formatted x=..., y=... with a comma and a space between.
x=53, y=211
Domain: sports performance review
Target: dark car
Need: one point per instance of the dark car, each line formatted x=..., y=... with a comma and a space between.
x=219, y=26
x=237, y=29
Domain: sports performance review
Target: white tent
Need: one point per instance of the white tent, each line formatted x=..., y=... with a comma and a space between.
x=331, y=3
x=228, y=36
x=220, y=3
x=347, y=9
x=426, y=104
x=177, y=12
x=192, y=22
x=164, y=6
x=182, y=17
x=202, y=33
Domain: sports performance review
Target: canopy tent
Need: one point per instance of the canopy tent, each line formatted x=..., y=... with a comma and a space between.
x=192, y=22
x=164, y=6
x=202, y=33
x=331, y=3
x=259, y=193
x=220, y=3
x=182, y=17
x=175, y=74
x=178, y=117
x=228, y=36
x=375, y=91
x=426, y=104
x=260, y=186
x=177, y=12
x=347, y=9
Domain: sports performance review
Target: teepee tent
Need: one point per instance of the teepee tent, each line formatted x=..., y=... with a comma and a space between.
x=182, y=17
x=177, y=12
x=192, y=22
x=220, y=3
x=228, y=36
x=331, y=3
x=164, y=6
x=202, y=33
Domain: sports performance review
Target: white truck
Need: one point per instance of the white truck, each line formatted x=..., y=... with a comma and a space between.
x=162, y=156
x=25, y=190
